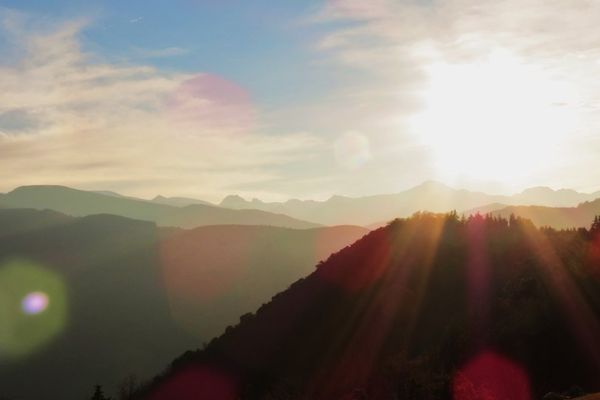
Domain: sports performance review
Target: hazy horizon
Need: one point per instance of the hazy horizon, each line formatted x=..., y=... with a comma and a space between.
x=218, y=200
x=299, y=100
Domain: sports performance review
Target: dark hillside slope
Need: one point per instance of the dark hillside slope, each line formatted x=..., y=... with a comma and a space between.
x=118, y=293
x=214, y=274
x=21, y=221
x=425, y=308
x=107, y=317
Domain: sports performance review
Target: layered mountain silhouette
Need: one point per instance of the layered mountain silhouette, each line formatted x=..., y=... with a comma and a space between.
x=82, y=203
x=543, y=205
x=135, y=295
x=429, y=196
x=432, y=307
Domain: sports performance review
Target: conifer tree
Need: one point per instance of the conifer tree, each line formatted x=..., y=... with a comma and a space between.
x=99, y=394
x=595, y=229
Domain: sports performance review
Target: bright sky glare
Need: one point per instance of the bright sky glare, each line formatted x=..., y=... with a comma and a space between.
x=303, y=99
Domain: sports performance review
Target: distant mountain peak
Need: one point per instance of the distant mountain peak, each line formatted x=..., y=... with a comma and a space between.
x=538, y=189
x=337, y=197
x=432, y=185
x=179, y=201
x=26, y=188
x=233, y=201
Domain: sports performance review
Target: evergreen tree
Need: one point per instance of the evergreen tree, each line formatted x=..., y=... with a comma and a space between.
x=127, y=387
x=99, y=394
x=595, y=229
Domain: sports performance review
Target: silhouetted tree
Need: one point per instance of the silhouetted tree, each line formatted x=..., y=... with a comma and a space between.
x=595, y=229
x=127, y=388
x=99, y=394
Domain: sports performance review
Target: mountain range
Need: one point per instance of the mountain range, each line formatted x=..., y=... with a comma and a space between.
x=429, y=196
x=83, y=203
x=544, y=206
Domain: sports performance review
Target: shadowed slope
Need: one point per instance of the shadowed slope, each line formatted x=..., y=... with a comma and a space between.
x=117, y=316
x=124, y=284
x=215, y=274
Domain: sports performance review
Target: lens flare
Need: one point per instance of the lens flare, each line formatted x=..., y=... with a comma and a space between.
x=34, y=303
x=33, y=307
x=352, y=150
x=491, y=376
x=198, y=382
x=209, y=102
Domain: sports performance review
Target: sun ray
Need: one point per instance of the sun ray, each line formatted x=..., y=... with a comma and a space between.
x=577, y=311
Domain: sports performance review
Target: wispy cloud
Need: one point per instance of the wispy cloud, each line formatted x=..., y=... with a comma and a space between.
x=96, y=124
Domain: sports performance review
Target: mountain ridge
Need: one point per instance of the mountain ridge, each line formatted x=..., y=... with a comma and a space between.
x=429, y=196
x=80, y=203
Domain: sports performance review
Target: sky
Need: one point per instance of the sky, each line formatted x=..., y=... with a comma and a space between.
x=299, y=99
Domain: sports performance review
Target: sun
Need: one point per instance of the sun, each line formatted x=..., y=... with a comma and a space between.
x=496, y=119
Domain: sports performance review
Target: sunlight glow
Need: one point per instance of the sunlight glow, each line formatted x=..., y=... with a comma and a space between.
x=495, y=118
x=582, y=319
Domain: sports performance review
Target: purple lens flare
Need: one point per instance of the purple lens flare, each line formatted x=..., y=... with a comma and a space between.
x=34, y=303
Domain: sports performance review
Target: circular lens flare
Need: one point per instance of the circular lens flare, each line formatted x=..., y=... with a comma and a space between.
x=490, y=376
x=33, y=307
x=209, y=103
x=35, y=303
x=352, y=150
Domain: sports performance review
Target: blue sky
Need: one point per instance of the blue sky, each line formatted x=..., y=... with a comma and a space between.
x=266, y=46
x=307, y=99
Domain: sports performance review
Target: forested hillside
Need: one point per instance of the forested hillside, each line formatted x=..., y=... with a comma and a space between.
x=431, y=307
